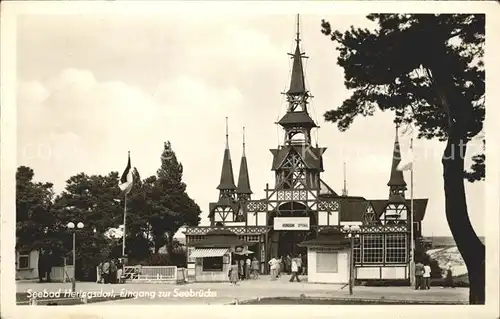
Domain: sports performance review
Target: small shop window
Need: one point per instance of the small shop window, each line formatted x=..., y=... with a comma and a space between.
x=23, y=261
x=327, y=262
x=212, y=263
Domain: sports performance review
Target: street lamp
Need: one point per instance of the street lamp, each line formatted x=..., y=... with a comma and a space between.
x=71, y=227
x=352, y=232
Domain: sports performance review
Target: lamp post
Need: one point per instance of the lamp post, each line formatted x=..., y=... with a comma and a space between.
x=352, y=231
x=71, y=227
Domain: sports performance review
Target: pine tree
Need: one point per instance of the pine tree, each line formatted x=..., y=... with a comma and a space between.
x=171, y=208
x=429, y=70
x=36, y=224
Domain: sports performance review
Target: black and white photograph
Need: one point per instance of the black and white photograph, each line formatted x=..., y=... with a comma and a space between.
x=249, y=158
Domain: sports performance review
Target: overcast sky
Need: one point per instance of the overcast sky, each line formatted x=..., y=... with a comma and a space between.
x=92, y=87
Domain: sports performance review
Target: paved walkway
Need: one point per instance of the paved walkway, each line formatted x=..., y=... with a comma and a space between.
x=224, y=293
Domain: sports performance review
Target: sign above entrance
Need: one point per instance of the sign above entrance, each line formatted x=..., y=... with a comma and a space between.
x=291, y=223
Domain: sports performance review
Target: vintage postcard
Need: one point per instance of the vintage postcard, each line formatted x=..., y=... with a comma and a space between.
x=210, y=154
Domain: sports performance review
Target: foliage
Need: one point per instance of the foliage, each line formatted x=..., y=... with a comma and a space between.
x=171, y=207
x=36, y=224
x=428, y=69
x=392, y=69
x=156, y=208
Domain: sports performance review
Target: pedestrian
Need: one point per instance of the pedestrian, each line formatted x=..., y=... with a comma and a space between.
x=419, y=272
x=105, y=272
x=241, y=269
x=234, y=273
x=112, y=272
x=273, y=263
x=248, y=267
x=295, y=270
x=449, y=278
x=298, y=259
x=99, y=273
x=288, y=264
x=282, y=265
x=119, y=271
x=427, y=275
x=255, y=268
x=304, y=265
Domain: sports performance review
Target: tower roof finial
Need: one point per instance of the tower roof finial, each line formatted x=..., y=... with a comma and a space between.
x=297, y=81
x=244, y=141
x=298, y=28
x=227, y=134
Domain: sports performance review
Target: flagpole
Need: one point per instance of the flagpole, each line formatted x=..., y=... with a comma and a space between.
x=412, y=230
x=124, y=225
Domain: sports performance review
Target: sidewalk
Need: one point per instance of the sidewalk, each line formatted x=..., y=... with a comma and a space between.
x=224, y=293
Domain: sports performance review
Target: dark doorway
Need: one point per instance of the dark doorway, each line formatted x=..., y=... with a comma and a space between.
x=289, y=240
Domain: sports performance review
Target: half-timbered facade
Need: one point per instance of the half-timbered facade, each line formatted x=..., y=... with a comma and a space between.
x=300, y=203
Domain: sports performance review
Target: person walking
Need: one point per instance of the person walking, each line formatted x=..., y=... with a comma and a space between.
x=105, y=272
x=241, y=269
x=248, y=267
x=449, y=278
x=255, y=268
x=295, y=270
x=234, y=273
x=427, y=275
x=298, y=260
x=288, y=264
x=273, y=263
x=419, y=272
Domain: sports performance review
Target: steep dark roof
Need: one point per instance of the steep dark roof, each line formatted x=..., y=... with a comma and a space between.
x=220, y=238
x=243, y=178
x=297, y=84
x=396, y=178
x=419, y=206
x=352, y=209
x=226, y=177
x=330, y=238
x=311, y=156
x=294, y=118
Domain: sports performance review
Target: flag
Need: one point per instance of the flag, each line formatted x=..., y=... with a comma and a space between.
x=406, y=162
x=127, y=179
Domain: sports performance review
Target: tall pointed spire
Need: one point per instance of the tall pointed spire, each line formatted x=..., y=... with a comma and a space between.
x=344, y=190
x=397, y=184
x=297, y=83
x=227, y=177
x=244, y=190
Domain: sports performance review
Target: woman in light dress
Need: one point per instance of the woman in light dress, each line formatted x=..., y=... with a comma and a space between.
x=234, y=273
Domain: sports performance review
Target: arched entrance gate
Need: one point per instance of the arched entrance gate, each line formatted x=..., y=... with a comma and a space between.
x=291, y=224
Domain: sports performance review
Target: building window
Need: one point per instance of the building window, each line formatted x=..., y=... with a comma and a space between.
x=373, y=248
x=23, y=261
x=189, y=252
x=326, y=262
x=212, y=263
x=395, y=247
x=357, y=250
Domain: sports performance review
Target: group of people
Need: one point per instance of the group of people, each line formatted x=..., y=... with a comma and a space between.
x=110, y=271
x=293, y=266
x=243, y=269
x=422, y=276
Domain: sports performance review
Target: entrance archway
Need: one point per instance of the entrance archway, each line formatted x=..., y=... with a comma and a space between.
x=286, y=242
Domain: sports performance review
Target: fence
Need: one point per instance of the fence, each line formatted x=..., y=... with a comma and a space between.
x=150, y=274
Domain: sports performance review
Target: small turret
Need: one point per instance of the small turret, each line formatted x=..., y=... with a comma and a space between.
x=243, y=190
x=226, y=185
